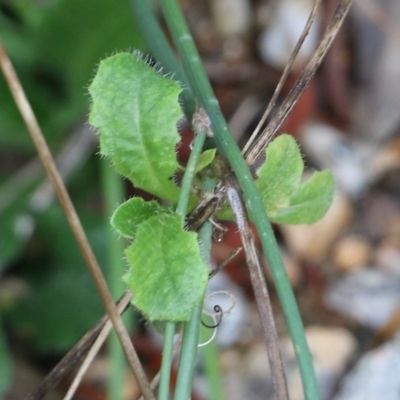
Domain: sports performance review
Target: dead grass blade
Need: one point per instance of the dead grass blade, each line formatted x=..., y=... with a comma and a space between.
x=284, y=76
x=304, y=79
x=101, y=338
x=76, y=227
x=236, y=201
x=76, y=354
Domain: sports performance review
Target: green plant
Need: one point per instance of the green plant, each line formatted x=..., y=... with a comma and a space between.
x=136, y=111
x=132, y=104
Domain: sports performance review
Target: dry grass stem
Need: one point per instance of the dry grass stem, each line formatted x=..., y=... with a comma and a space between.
x=48, y=162
x=73, y=357
x=301, y=84
x=122, y=305
x=236, y=201
x=284, y=76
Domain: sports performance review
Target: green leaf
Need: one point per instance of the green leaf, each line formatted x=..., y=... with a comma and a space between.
x=310, y=203
x=205, y=159
x=286, y=199
x=133, y=212
x=167, y=275
x=280, y=175
x=136, y=111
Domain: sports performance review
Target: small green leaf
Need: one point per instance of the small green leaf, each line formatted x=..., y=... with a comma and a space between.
x=310, y=203
x=286, y=199
x=136, y=111
x=280, y=175
x=133, y=212
x=205, y=159
x=167, y=275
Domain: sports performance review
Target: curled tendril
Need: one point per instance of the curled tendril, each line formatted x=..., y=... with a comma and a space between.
x=223, y=293
x=214, y=327
x=220, y=313
x=217, y=315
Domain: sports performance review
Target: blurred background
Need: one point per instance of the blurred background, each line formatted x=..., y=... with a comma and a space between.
x=345, y=269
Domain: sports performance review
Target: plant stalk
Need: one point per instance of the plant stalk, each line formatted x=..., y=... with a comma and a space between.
x=47, y=159
x=226, y=145
x=113, y=194
x=167, y=355
x=211, y=367
x=158, y=45
x=181, y=208
x=191, y=331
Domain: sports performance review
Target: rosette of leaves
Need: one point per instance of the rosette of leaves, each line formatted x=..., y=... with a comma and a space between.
x=136, y=111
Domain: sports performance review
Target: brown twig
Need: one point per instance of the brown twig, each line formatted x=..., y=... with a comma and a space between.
x=334, y=72
x=224, y=263
x=73, y=357
x=304, y=79
x=257, y=277
x=48, y=162
x=101, y=338
x=284, y=76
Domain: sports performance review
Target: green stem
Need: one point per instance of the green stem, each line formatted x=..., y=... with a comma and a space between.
x=192, y=328
x=187, y=359
x=165, y=372
x=184, y=196
x=158, y=45
x=187, y=179
x=113, y=194
x=226, y=144
x=211, y=367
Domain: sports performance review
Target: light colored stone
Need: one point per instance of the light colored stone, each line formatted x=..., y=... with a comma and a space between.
x=331, y=348
x=351, y=252
x=368, y=296
x=387, y=257
x=231, y=17
x=313, y=242
x=375, y=376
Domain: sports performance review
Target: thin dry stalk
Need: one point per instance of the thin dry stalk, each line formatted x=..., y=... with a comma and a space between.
x=48, y=162
x=235, y=198
x=301, y=84
x=284, y=76
x=154, y=382
x=122, y=305
x=73, y=357
x=71, y=156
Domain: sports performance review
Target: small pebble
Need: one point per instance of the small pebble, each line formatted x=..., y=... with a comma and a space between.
x=375, y=376
x=351, y=252
x=368, y=296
